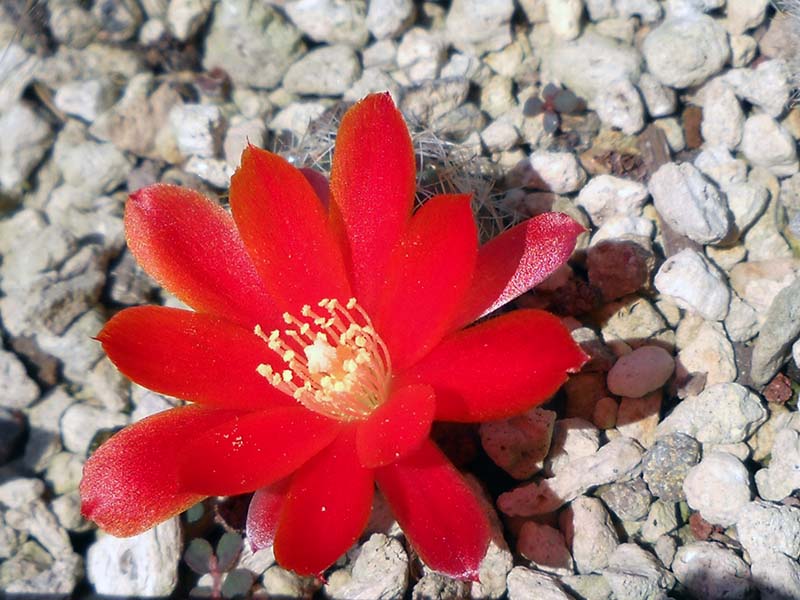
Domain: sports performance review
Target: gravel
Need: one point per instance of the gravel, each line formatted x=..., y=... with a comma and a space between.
x=682, y=164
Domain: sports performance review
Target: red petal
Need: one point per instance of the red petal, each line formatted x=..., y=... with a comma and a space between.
x=326, y=510
x=193, y=356
x=437, y=511
x=517, y=260
x=285, y=228
x=430, y=273
x=191, y=247
x=498, y=368
x=319, y=182
x=254, y=450
x=373, y=179
x=264, y=513
x=131, y=484
x=397, y=427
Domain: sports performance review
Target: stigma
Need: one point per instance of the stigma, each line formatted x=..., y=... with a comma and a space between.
x=336, y=363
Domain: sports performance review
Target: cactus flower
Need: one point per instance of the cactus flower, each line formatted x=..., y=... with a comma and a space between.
x=331, y=325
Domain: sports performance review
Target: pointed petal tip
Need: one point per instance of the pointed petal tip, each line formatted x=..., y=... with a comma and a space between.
x=379, y=99
x=581, y=360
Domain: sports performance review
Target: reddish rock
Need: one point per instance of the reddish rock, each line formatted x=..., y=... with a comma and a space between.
x=779, y=390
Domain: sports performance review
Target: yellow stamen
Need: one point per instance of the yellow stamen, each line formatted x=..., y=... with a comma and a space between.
x=338, y=365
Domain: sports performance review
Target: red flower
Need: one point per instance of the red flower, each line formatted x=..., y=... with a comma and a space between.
x=323, y=344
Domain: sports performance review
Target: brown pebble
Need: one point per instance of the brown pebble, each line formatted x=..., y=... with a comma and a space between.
x=779, y=390
x=701, y=529
x=692, y=117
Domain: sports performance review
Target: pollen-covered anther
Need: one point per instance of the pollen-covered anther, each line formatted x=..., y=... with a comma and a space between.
x=338, y=365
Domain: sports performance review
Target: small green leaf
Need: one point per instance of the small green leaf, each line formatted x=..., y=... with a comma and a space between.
x=195, y=513
x=228, y=549
x=237, y=584
x=198, y=556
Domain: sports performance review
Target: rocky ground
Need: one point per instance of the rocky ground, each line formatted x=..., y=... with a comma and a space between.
x=666, y=468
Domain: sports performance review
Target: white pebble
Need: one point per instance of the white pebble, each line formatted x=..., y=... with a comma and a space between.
x=782, y=477
x=564, y=17
x=731, y=575
x=606, y=196
x=689, y=203
x=726, y=413
x=686, y=51
x=589, y=532
x=693, y=283
x=619, y=105
x=558, y=172
x=723, y=118
x=389, y=18
x=659, y=99
x=197, y=129
x=421, y=54
x=766, y=143
x=764, y=528
x=718, y=487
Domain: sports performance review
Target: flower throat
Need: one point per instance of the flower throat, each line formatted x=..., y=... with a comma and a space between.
x=337, y=365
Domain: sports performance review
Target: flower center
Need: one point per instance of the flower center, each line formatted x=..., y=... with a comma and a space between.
x=337, y=365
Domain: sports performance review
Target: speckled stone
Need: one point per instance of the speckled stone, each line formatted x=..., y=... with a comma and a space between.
x=665, y=465
x=628, y=500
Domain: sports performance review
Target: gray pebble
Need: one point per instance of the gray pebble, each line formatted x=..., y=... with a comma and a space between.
x=666, y=463
x=379, y=571
x=589, y=532
x=477, y=26
x=331, y=21
x=324, y=71
x=661, y=520
x=143, y=565
x=272, y=43
x=524, y=583
x=780, y=329
x=686, y=51
x=633, y=574
x=628, y=500
x=26, y=137
x=80, y=422
x=389, y=18
x=587, y=65
x=17, y=390
x=689, y=203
